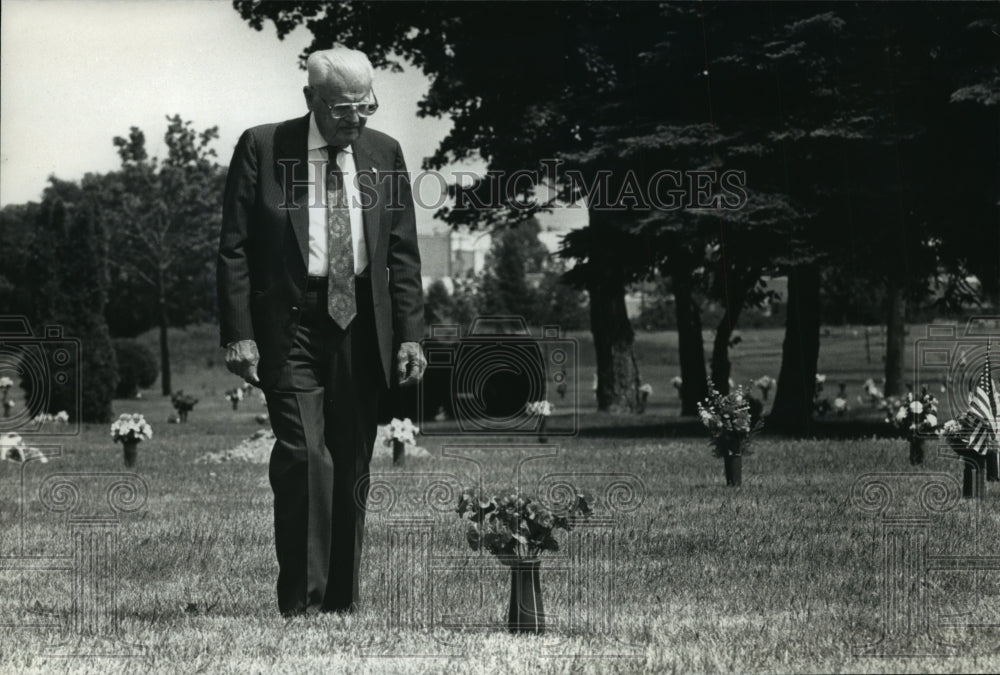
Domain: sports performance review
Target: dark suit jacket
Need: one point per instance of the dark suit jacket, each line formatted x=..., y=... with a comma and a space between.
x=264, y=246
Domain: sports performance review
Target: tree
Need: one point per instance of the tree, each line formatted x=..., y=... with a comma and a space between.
x=67, y=282
x=167, y=223
x=504, y=288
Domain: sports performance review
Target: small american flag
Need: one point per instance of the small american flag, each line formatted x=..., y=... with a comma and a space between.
x=983, y=410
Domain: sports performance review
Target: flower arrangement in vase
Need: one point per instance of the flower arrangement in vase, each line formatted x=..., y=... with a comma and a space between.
x=517, y=529
x=129, y=430
x=732, y=420
x=183, y=404
x=914, y=416
x=399, y=432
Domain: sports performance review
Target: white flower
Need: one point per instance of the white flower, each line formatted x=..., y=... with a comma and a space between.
x=646, y=389
x=6, y=382
x=901, y=414
x=930, y=420
x=131, y=428
x=542, y=408
x=764, y=382
x=820, y=379
x=839, y=404
x=676, y=381
x=951, y=427
x=401, y=430
x=62, y=416
x=917, y=407
x=9, y=404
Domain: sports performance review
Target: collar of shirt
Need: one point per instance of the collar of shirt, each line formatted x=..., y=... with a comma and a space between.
x=316, y=140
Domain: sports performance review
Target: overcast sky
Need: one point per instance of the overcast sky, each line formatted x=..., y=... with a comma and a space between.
x=76, y=73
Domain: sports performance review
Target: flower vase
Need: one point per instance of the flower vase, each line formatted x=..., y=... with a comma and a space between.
x=733, y=465
x=541, y=431
x=236, y=404
x=526, y=614
x=183, y=415
x=917, y=450
x=131, y=451
x=973, y=476
x=993, y=466
x=398, y=452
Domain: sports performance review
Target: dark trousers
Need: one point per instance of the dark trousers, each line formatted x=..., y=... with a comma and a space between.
x=323, y=411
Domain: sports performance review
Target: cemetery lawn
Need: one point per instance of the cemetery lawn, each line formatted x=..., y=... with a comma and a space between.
x=784, y=574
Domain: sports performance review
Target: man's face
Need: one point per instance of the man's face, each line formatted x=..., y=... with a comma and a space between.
x=343, y=131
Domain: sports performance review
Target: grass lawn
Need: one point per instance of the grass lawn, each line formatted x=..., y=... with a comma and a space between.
x=786, y=574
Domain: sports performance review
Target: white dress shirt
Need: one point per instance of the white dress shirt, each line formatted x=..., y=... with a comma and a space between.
x=318, y=258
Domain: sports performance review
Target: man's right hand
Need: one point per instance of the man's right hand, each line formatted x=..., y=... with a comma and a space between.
x=241, y=359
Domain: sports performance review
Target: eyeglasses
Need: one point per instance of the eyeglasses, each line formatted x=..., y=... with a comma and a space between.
x=342, y=110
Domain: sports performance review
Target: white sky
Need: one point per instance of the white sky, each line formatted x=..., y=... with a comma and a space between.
x=76, y=73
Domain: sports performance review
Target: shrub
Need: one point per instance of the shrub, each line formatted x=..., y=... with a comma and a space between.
x=137, y=367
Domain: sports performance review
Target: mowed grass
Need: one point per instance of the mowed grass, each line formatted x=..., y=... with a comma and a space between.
x=784, y=574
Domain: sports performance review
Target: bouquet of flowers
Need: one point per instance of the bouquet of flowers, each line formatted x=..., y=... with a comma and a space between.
x=183, y=403
x=402, y=431
x=732, y=419
x=764, y=383
x=840, y=404
x=873, y=395
x=539, y=408
x=130, y=427
x=234, y=396
x=913, y=415
x=514, y=527
x=821, y=404
x=61, y=417
x=13, y=449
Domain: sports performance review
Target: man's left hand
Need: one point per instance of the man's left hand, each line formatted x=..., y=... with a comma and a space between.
x=410, y=363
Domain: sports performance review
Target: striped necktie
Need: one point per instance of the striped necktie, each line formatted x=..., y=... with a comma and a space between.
x=341, y=303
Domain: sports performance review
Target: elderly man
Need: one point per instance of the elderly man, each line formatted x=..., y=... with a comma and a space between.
x=319, y=287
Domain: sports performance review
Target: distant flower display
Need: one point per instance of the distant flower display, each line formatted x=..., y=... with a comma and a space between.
x=913, y=415
x=402, y=430
x=61, y=417
x=13, y=449
x=539, y=408
x=731, y=420
x=131, y=427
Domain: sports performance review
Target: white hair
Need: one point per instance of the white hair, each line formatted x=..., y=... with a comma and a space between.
x=340, y=66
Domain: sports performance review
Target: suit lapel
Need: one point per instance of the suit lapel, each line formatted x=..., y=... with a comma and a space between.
x=292, y=173
x=365, y=163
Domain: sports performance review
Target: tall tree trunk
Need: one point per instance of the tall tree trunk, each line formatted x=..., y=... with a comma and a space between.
x=164, y=346
x=617, y=372
x=690, y=345
x=735, y=297
x=793, y=400
x=895, y=338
